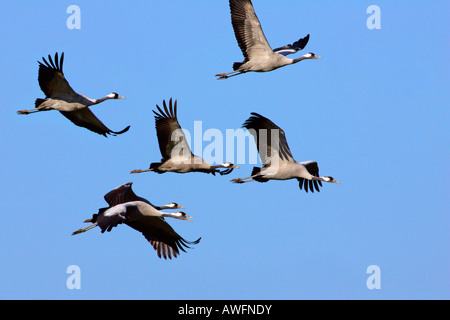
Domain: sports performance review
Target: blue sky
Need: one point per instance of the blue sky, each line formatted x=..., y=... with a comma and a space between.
x=373, y=113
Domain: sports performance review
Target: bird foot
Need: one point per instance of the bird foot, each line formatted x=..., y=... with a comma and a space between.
x=221, y=76
x=237, y=180
x=22, y=112
x=136, y=171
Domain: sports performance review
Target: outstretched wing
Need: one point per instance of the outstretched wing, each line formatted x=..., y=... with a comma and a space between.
x=122, y=194
x=51, y=78
x=293, y=48
x=158, y=232
x=270, y=140
x=162, y=237
x=169, y=132
x=247, y=29
x=313, y=169
x=86, y=119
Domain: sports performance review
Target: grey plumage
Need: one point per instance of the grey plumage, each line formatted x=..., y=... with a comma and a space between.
x=125, y=207
x=60, y=96
x=276, y=157
x=176, y=155
x=258, y=55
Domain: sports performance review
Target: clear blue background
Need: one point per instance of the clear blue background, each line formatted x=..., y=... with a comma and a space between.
x=373, y=113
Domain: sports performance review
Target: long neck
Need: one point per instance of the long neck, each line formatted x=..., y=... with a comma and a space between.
x=176, y=215
x=217, y=166
x=166, y=206
x=97, y=101
x=299, y=59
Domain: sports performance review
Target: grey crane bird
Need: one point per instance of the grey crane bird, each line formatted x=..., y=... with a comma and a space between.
x=176, y=155
x=138, y=213
x=124, y=193
x=258, y=55
x=60, y=96
x=277, y=159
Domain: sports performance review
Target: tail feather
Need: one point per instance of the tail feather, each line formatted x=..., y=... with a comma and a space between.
x=154, y=167
x=256, y=171
x=236, y=65
x=38, y=102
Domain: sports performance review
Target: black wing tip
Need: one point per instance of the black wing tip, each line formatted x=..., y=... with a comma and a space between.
x=163, y=251
x=114, y=133
x=166, y=112
x=187, y=244
x=248, y=124
x=309, y=184
x=301, y=43
x=57, y=65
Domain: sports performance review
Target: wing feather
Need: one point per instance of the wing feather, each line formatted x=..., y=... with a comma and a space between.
x=121, y=194
x=270, y=140
x=169, y=131
x=313, y=169
x=86, y=119
x=51, y=79
x=164, y=239
x=247, y=29
x=292, y=48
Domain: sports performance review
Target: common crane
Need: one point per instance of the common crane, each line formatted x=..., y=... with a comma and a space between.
x=176, y=154
x=60, y=96
x=277, y=159
x=140, y=215
x=258, y=55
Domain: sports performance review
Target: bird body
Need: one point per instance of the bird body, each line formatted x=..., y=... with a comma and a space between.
x=138, y=213
x=184, y=165
x=277, y=159
x=60, y=96
x=285, y=171
x=258, y=55
x=264, y=63
x=177, y=157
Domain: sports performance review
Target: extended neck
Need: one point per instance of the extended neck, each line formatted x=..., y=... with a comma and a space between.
x=176, y=215
x=97, y=101
x=216, y=166
x=305, y=57
x=300, y=59
x=166, y=206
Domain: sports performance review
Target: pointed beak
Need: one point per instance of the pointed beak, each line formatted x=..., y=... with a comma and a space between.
x=235, y=167
x=318, y=57
x=121, y=97
x=180, y=207
x=187, y=218
x=336, y=182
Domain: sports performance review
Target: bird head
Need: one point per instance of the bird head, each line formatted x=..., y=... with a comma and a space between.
x=115, y=95
x=311, y=55
x=174, y=205
x=229, y=165
x=330, y=179
x=183, y=216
